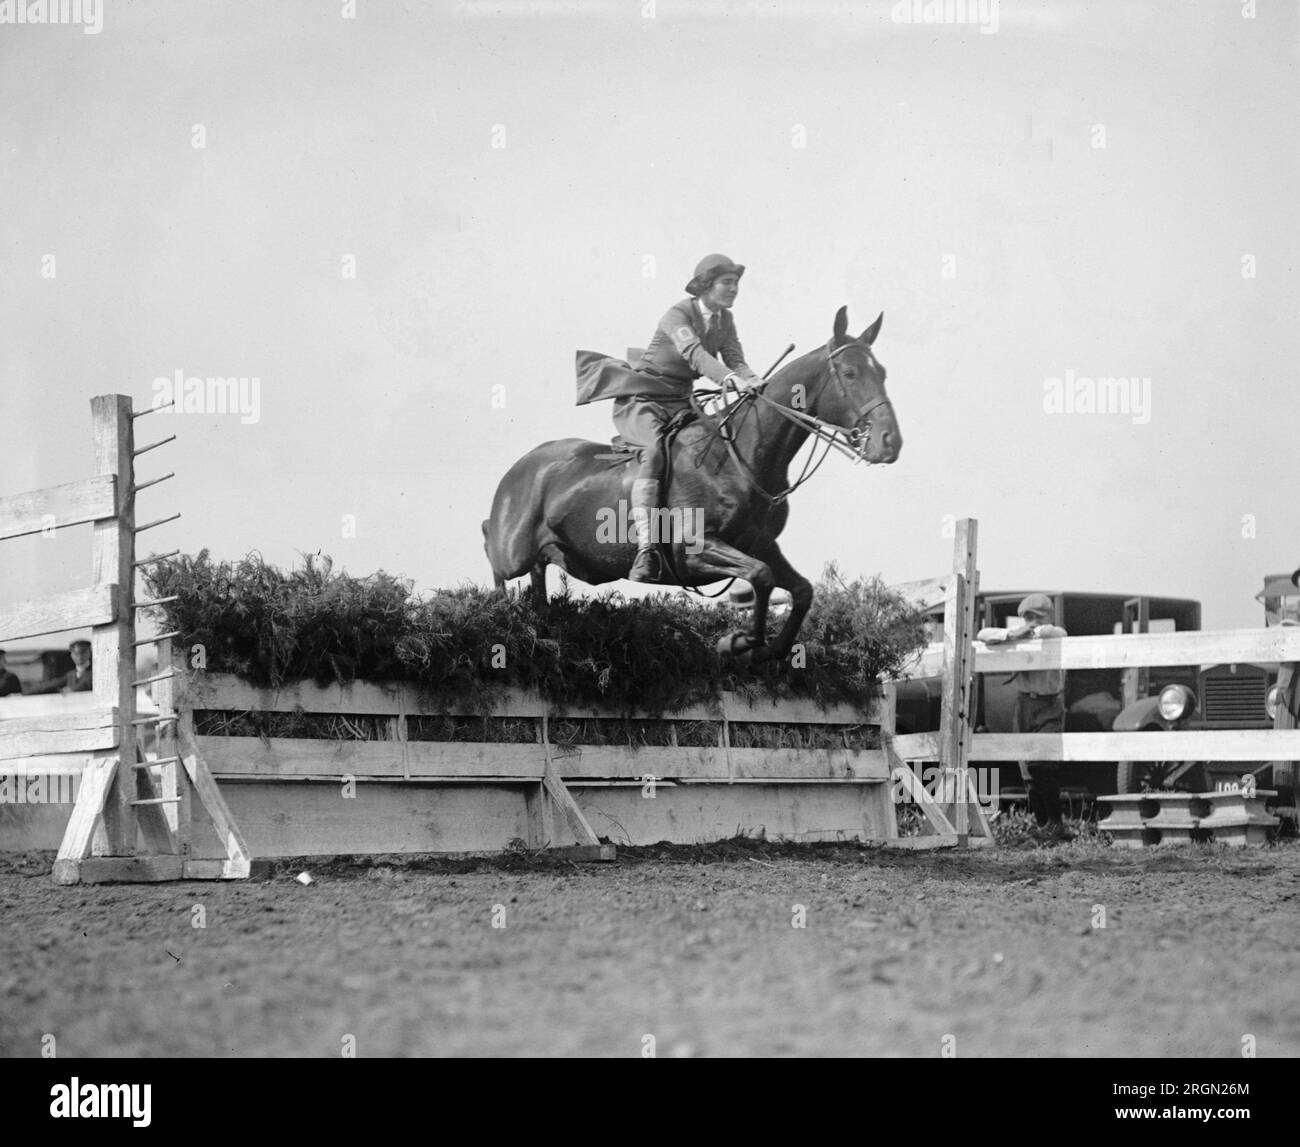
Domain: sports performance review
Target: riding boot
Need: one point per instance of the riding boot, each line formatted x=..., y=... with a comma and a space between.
x=645, y=500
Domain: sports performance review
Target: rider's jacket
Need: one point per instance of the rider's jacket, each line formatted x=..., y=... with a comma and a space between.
x=682, y=349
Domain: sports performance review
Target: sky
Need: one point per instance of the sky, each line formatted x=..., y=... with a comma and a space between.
x=402, y=220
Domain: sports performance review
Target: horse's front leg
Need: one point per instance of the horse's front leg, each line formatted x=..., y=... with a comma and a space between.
x=717, y=560
x=801, y=594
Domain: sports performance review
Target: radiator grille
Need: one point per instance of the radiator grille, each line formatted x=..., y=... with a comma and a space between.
x=1235, y=699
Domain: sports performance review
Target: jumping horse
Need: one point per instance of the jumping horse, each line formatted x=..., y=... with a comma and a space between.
x=728, y=476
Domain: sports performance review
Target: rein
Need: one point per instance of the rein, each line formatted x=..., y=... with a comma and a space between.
x=829, y=432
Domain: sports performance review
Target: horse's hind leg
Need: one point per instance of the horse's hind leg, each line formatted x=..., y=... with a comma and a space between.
x=537, y=576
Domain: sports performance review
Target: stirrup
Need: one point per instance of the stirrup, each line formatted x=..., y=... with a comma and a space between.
x=648, y=567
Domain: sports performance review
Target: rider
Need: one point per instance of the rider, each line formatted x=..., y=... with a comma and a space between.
x=697, y=337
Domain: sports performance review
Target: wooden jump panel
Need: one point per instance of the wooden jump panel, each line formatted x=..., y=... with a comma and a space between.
x=224, y=691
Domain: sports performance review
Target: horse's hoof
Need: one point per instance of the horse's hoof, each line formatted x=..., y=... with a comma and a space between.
x=733, y=644
x=736, y=647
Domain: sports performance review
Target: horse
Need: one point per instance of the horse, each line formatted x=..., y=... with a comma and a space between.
x=559, y=504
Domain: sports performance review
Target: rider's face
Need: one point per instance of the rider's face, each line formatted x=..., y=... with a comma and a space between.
x=723, y=292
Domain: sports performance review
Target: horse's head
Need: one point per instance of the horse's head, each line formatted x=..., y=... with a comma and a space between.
x=853, y=395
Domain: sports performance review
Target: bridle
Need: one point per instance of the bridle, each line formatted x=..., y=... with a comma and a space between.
x=859, y=434
x=857, y=437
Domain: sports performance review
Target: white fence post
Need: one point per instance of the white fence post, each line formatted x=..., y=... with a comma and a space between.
x=113, y=648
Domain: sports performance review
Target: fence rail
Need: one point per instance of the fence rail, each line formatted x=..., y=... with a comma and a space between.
x=71, y=504
x=1136, y=650
x=1174, y=745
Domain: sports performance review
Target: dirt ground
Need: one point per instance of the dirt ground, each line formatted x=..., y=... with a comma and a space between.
x=695, y=949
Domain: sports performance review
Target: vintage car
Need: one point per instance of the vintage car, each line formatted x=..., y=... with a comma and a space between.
x=1094, y=698
x=1229, y=696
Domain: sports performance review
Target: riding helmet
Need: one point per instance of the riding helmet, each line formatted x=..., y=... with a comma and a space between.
x=710, y=268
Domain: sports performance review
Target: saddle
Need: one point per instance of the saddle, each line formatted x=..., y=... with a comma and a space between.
x=622, y=452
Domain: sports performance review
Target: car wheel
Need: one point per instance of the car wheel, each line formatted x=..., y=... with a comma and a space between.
x=1158, y=776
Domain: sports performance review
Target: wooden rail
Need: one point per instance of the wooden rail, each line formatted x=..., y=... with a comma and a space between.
x=39, y=511
x=1133, y=650
x=1172, y=745
x=74, y=609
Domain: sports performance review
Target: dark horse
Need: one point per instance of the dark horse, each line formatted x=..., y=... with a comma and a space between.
x=555, y=504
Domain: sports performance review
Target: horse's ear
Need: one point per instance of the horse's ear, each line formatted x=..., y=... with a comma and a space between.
x=841, y=324
x=869, y=335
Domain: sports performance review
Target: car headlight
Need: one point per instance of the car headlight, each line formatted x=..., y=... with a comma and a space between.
x=1175, y=702
x=1273, y=701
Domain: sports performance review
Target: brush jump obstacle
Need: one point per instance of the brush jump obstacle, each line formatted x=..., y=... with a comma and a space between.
x=201, y=805
x=160, y=796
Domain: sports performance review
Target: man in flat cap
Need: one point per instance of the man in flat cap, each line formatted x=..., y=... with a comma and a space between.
x=1040, y=708
x=695, y=338
x=78, y=679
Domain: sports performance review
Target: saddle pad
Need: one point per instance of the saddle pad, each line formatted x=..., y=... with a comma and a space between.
x=621, y=451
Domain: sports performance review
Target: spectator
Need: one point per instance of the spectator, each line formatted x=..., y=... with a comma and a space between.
x=1040, y=708
x=79, y=679
x=9, y=682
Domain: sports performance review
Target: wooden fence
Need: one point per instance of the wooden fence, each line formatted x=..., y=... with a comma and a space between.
x=133, y=808
x=956, y=745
